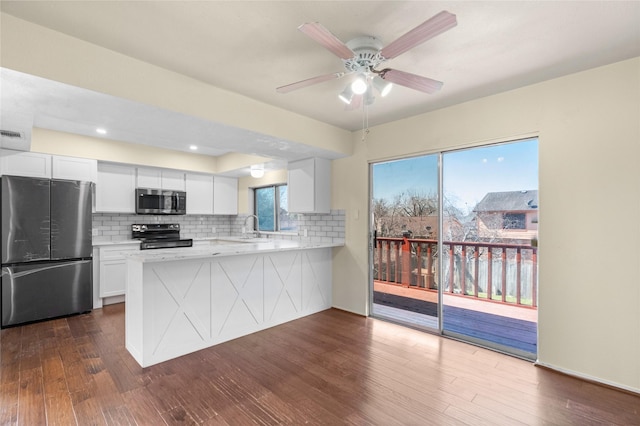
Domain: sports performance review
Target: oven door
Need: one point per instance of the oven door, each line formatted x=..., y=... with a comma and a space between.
x=156, y=201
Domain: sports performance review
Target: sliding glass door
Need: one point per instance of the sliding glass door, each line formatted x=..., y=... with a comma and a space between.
x=489, y=248
x=458, y=254
x=404, y=210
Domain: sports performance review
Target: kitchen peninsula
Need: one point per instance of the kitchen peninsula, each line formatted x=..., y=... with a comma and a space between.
x=182, y=300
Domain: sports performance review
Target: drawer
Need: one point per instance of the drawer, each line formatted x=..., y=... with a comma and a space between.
x=117, y=252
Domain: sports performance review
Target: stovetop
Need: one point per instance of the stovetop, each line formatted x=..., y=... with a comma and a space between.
x=159, y=235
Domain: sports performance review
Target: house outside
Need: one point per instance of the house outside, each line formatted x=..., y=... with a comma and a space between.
x=510, y=216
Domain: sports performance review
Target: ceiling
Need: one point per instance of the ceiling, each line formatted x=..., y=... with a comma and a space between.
x=253, y=47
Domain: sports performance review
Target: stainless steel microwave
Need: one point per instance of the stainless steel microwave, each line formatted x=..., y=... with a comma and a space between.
x=158, y=201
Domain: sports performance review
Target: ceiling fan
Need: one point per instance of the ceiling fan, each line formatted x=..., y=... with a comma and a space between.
x=363, y=55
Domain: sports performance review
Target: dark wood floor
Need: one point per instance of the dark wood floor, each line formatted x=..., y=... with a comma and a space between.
x=330, y=368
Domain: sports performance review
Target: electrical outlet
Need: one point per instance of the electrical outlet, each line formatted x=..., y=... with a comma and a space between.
x=213, y=229
x=94, y=232
x=304, y=232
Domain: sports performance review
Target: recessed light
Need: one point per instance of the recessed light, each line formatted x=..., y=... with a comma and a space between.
x=101, y=131
x=193, y=147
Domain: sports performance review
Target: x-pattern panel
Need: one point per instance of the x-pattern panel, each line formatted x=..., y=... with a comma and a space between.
x=313, y=295
x=245, y=276
x=282, y=285
x=188, y=305
x=190, y=319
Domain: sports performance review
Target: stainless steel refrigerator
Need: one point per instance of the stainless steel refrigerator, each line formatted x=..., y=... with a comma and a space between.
x=46, y=249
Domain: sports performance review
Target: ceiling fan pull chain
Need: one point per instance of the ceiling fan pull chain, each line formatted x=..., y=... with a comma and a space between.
x=365, y=121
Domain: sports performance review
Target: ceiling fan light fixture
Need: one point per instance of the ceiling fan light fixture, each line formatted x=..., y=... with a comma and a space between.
x=383, y=87
x=257, y=171
x=346, y=95
x=359, y=85
x=363, y=57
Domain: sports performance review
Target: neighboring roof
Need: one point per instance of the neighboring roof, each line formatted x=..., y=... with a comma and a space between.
x=508, y=201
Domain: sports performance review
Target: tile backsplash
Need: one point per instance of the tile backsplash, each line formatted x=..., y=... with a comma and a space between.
x=319, y=227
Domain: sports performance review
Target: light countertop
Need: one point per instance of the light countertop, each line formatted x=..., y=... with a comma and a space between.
x=228, y=246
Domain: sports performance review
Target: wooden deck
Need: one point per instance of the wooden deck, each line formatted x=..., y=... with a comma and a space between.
x=404, y=317
x=511, y=311
x=510, y=329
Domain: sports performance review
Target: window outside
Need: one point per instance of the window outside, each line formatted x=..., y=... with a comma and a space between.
x=271, y=208
x=514, y=221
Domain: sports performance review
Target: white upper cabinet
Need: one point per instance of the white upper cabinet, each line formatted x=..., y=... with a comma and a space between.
x=199, y=193
x=72, y=168
x=225, y=195
x=206, y=194
x=21, y=163
x=149, y=178
x=309, y=186
x=116, y=188
x=160, y=179
x=172, y=179
x=35, y=164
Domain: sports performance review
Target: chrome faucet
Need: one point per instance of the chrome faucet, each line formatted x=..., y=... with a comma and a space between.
x=257, y=231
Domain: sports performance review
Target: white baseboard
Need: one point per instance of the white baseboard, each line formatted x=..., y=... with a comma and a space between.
x=112, y=300
x=588, y=377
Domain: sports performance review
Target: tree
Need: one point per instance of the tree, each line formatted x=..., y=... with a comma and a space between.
x=386, y=217
x=415, y=204
x=391, y=219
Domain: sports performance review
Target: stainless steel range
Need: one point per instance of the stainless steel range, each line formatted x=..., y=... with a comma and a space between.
x=159, y=235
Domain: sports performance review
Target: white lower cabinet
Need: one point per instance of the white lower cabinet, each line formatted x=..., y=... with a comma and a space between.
x=112, y=266
x=113, y=276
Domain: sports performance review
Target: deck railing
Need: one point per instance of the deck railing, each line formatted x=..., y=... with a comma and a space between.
x=503, y=273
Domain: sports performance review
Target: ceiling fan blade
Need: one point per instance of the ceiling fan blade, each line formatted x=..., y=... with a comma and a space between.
x=308, y=82
x=320, y=34
x=423, y=32
x=411, y=81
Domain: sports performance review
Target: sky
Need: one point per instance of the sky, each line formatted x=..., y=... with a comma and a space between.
x=467, y=174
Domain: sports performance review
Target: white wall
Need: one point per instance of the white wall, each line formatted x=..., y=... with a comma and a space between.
x=62, y=143
x=589, y=258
